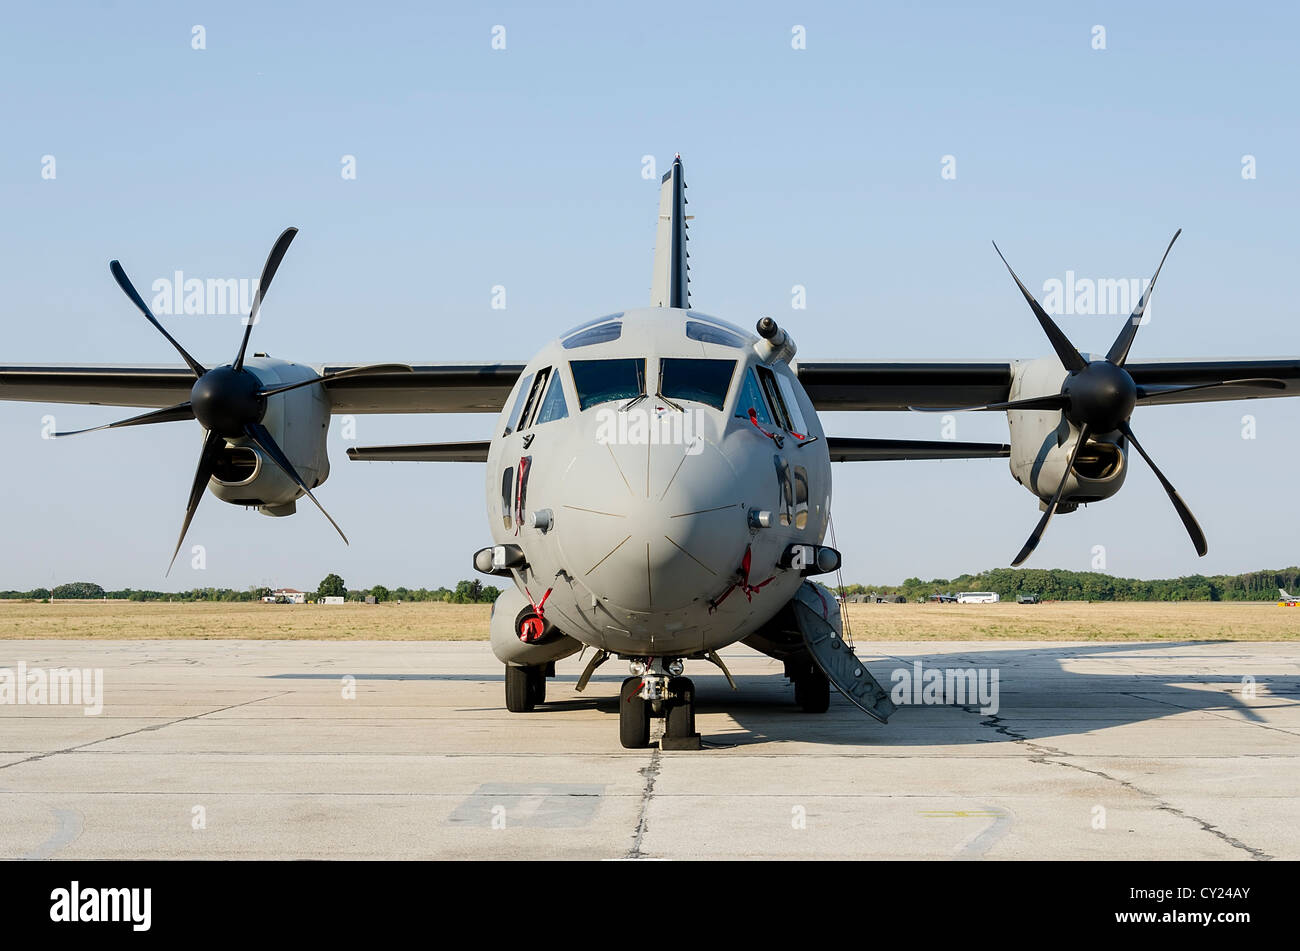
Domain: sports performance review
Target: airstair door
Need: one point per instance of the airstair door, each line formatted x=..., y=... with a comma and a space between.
x=818, y=615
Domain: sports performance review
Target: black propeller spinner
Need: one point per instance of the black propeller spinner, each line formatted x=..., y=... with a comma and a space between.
x=229, y=401
x=1099, y=396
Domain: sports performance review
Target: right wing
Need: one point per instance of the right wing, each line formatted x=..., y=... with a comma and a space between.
x=429, y=388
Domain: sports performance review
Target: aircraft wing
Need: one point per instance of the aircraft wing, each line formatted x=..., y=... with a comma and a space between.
x=855, y=449
x=835, y=385
x=842, y=385
x=842, y=449
x=429, y=388
x=472, y=451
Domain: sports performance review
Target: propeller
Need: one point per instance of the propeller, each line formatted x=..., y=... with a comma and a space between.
x=230, y=401
x=1099, y=396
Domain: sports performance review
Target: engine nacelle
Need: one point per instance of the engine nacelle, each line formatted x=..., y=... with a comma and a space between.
x=299, y=422
x=513, y=615
x=1042, y=441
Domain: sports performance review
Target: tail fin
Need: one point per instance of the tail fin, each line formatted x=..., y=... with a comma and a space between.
x=670, y=286
x=1285, y=596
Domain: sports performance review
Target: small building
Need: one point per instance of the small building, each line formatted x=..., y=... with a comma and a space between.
x=287, y=596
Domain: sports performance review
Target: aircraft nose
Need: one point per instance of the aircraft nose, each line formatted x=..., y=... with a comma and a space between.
x=653, y=527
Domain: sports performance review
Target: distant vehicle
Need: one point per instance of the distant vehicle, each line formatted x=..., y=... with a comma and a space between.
x=330, y=599
x=943, y=598
x=1288, y=600
x=1026, y=599
x=978, y=597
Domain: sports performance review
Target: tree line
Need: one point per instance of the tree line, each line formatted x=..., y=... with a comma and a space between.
x=1050, y=584
x=466, y=592
x=1057, y=584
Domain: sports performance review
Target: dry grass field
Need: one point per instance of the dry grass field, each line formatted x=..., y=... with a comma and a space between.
x=105, y=620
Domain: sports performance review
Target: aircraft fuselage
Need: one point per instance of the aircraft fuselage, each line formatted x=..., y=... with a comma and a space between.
x=635, y=513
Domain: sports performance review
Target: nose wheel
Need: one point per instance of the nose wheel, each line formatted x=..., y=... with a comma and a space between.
x=633, y=716
x=656, y=694
x=679, y=718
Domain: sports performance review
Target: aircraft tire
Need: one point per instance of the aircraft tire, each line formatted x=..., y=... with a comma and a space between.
x=812, y=691
x=519, y=689
x=633, y=716
x=680, y=720
x=537, y=684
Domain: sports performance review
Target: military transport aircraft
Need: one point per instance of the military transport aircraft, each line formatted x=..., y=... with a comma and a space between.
x=658, y=480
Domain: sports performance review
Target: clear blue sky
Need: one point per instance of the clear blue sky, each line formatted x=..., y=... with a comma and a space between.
x=522, y=167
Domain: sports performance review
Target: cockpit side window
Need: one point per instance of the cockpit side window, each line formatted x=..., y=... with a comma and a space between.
x=603, y=333
x=554, y=406
x=792, y=405
x=751, y=397
x=591, y=323
x=534, y=397
x=601, y=381
x=768, y=379
x=524, y=391
x=702, y=381
x=708, y=333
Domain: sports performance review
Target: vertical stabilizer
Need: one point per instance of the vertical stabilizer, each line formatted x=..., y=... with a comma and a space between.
x=670, y=286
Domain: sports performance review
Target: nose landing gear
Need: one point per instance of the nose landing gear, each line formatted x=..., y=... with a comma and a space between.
x=526, y=686
x=656, y=689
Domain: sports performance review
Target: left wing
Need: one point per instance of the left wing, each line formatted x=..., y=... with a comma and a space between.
x=835, y=385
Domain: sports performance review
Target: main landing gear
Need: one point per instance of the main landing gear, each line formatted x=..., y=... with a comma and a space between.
x=526, y=686
x=812, y=688
x=657, y=689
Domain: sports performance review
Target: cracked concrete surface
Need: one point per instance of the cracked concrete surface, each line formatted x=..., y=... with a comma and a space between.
x=230, y=749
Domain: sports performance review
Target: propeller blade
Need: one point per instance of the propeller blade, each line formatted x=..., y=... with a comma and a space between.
x=1147, y=392
x=213, y=443
x=1054, y=401
x=1118, y=352
x=124, y=282
x=1189, y=520
x=1037, y=536
x=1065, y=351
x=170, y=414
x=263, y=285
x=262, y=436
x=376, y=369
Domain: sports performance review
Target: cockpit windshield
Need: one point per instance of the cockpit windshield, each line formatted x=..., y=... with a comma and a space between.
x=600, y=381
x=702, y=381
